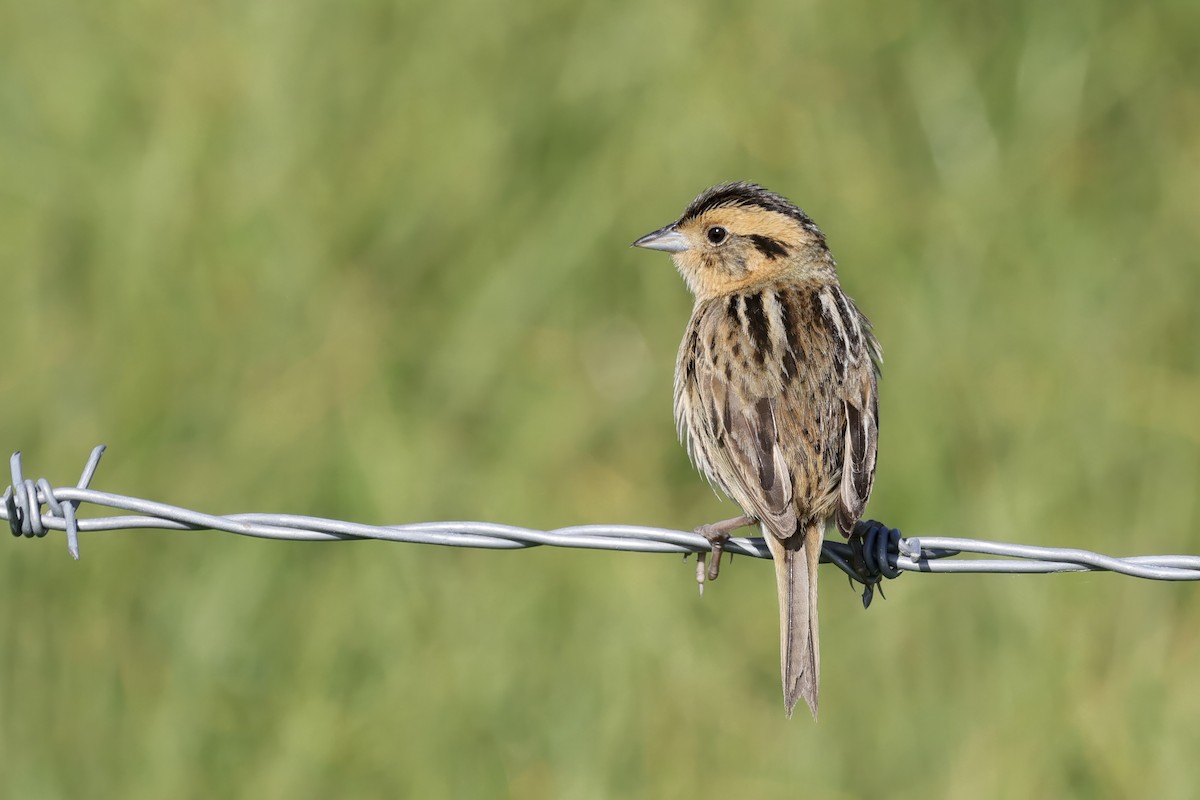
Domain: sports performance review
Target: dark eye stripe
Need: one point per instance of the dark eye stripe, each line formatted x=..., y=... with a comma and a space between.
x=771, y=248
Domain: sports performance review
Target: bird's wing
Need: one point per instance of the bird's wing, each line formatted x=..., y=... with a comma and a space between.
x=749, y=460
x=860, y=406
x=732, y=420
x=858, y=464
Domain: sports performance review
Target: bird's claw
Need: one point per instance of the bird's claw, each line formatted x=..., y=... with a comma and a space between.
x=717, y=534
x=717, y=537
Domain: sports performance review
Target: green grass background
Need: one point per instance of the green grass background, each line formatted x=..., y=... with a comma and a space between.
x=369, y=261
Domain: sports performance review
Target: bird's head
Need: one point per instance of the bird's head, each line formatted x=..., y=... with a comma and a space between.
x=738, y=235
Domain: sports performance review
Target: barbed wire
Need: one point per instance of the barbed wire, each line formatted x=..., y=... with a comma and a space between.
x=874, y=552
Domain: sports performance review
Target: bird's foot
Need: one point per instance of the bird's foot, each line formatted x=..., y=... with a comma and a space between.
x=717, y=533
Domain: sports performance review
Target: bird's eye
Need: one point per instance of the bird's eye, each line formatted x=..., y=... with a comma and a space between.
x=717, y=234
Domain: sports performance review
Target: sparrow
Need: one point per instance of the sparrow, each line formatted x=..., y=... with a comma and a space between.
x=775, y=393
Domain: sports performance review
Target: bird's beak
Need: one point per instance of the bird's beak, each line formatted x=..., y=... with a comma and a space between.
x=667, y=239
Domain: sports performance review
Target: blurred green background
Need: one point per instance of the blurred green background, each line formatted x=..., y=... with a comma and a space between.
x=369, y=261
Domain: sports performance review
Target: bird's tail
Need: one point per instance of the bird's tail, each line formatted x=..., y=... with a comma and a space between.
x=796, y=560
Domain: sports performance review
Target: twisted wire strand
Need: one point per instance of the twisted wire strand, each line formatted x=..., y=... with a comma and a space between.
x=875, y=551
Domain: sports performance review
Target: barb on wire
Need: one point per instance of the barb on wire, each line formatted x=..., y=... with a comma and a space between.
x=874, y=551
